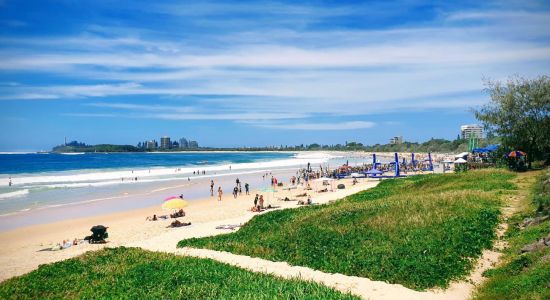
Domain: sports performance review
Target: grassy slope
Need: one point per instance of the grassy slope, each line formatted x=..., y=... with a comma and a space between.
x=131, y=273
x=522, y=276
x=420, y=231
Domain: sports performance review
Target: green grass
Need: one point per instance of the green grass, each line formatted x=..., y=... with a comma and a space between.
x=421, y=231
x=522, y=276
x=131, y=273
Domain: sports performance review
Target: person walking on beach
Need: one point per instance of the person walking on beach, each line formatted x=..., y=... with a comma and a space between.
x=211, y=187
x=235, y=191
x=247, y=188
x=220, y=193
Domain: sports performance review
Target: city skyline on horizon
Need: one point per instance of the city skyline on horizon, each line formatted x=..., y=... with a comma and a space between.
x=257, y=73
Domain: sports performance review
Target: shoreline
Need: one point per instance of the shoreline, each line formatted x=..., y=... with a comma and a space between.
x=131, y=228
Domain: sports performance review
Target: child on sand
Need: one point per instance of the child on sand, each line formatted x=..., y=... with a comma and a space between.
x=220, y=193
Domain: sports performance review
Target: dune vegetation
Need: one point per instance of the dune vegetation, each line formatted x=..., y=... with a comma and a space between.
x=524, y=275
x=422, y=231
x=131, y=273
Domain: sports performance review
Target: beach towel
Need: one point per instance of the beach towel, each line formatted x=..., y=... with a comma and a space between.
x=229, y=226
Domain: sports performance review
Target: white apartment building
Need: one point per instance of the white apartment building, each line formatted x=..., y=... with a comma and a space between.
x=471, y=130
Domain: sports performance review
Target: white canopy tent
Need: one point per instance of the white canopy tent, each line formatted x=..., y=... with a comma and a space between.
x=462, y=155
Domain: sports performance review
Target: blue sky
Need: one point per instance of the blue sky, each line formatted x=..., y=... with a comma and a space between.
x=256, y=73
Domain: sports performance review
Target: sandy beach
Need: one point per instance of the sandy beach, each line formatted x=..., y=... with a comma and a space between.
x=21, y=253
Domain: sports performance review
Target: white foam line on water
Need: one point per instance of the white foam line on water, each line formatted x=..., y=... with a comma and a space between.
x=14, y=194
x=115, y=176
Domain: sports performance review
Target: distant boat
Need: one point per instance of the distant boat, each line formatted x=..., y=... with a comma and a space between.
x=71, y=153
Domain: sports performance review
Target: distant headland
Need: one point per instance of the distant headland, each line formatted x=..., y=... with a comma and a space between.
x=433, y=145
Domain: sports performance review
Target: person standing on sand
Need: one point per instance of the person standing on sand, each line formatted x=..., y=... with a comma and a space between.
x=235, y=191
x=220, y=193
x=262, y=201
x=247, y=188
x=256, y=200
x=211, y=187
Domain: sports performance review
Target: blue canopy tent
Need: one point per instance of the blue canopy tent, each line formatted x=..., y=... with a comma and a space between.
x=487, y=149
x=372, y=173
x=430, y=163
x=397, y=173
x=493, y=147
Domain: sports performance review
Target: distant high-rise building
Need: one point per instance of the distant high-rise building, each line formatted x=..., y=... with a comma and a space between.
x=193, y=145
x=152, y=144
x=165, y=142
x=396, y=140
x=184, y=143
x=472, y=130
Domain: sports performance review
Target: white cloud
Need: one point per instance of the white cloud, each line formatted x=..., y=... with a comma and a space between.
x=284, y=70
x=350, y=125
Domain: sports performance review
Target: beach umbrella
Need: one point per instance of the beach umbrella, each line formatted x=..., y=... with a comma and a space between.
x=176, y=203
x=516, y=153
x=172, y=197
x=460, y=161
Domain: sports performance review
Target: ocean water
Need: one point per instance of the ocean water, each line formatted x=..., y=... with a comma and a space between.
x=100, y=183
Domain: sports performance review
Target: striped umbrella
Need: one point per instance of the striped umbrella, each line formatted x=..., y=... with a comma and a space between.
x=172, y=197
x=516, y=153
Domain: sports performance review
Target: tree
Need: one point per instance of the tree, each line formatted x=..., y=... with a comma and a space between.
x=519, y=112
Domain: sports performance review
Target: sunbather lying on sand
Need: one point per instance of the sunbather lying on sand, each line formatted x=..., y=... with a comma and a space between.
x=323, y=190
x=155, y=218
x=180, y=213
x=307, y=202
x=177, y=223
x=302, y=195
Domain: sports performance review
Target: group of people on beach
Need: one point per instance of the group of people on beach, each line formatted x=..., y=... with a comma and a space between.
x=237, y=190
